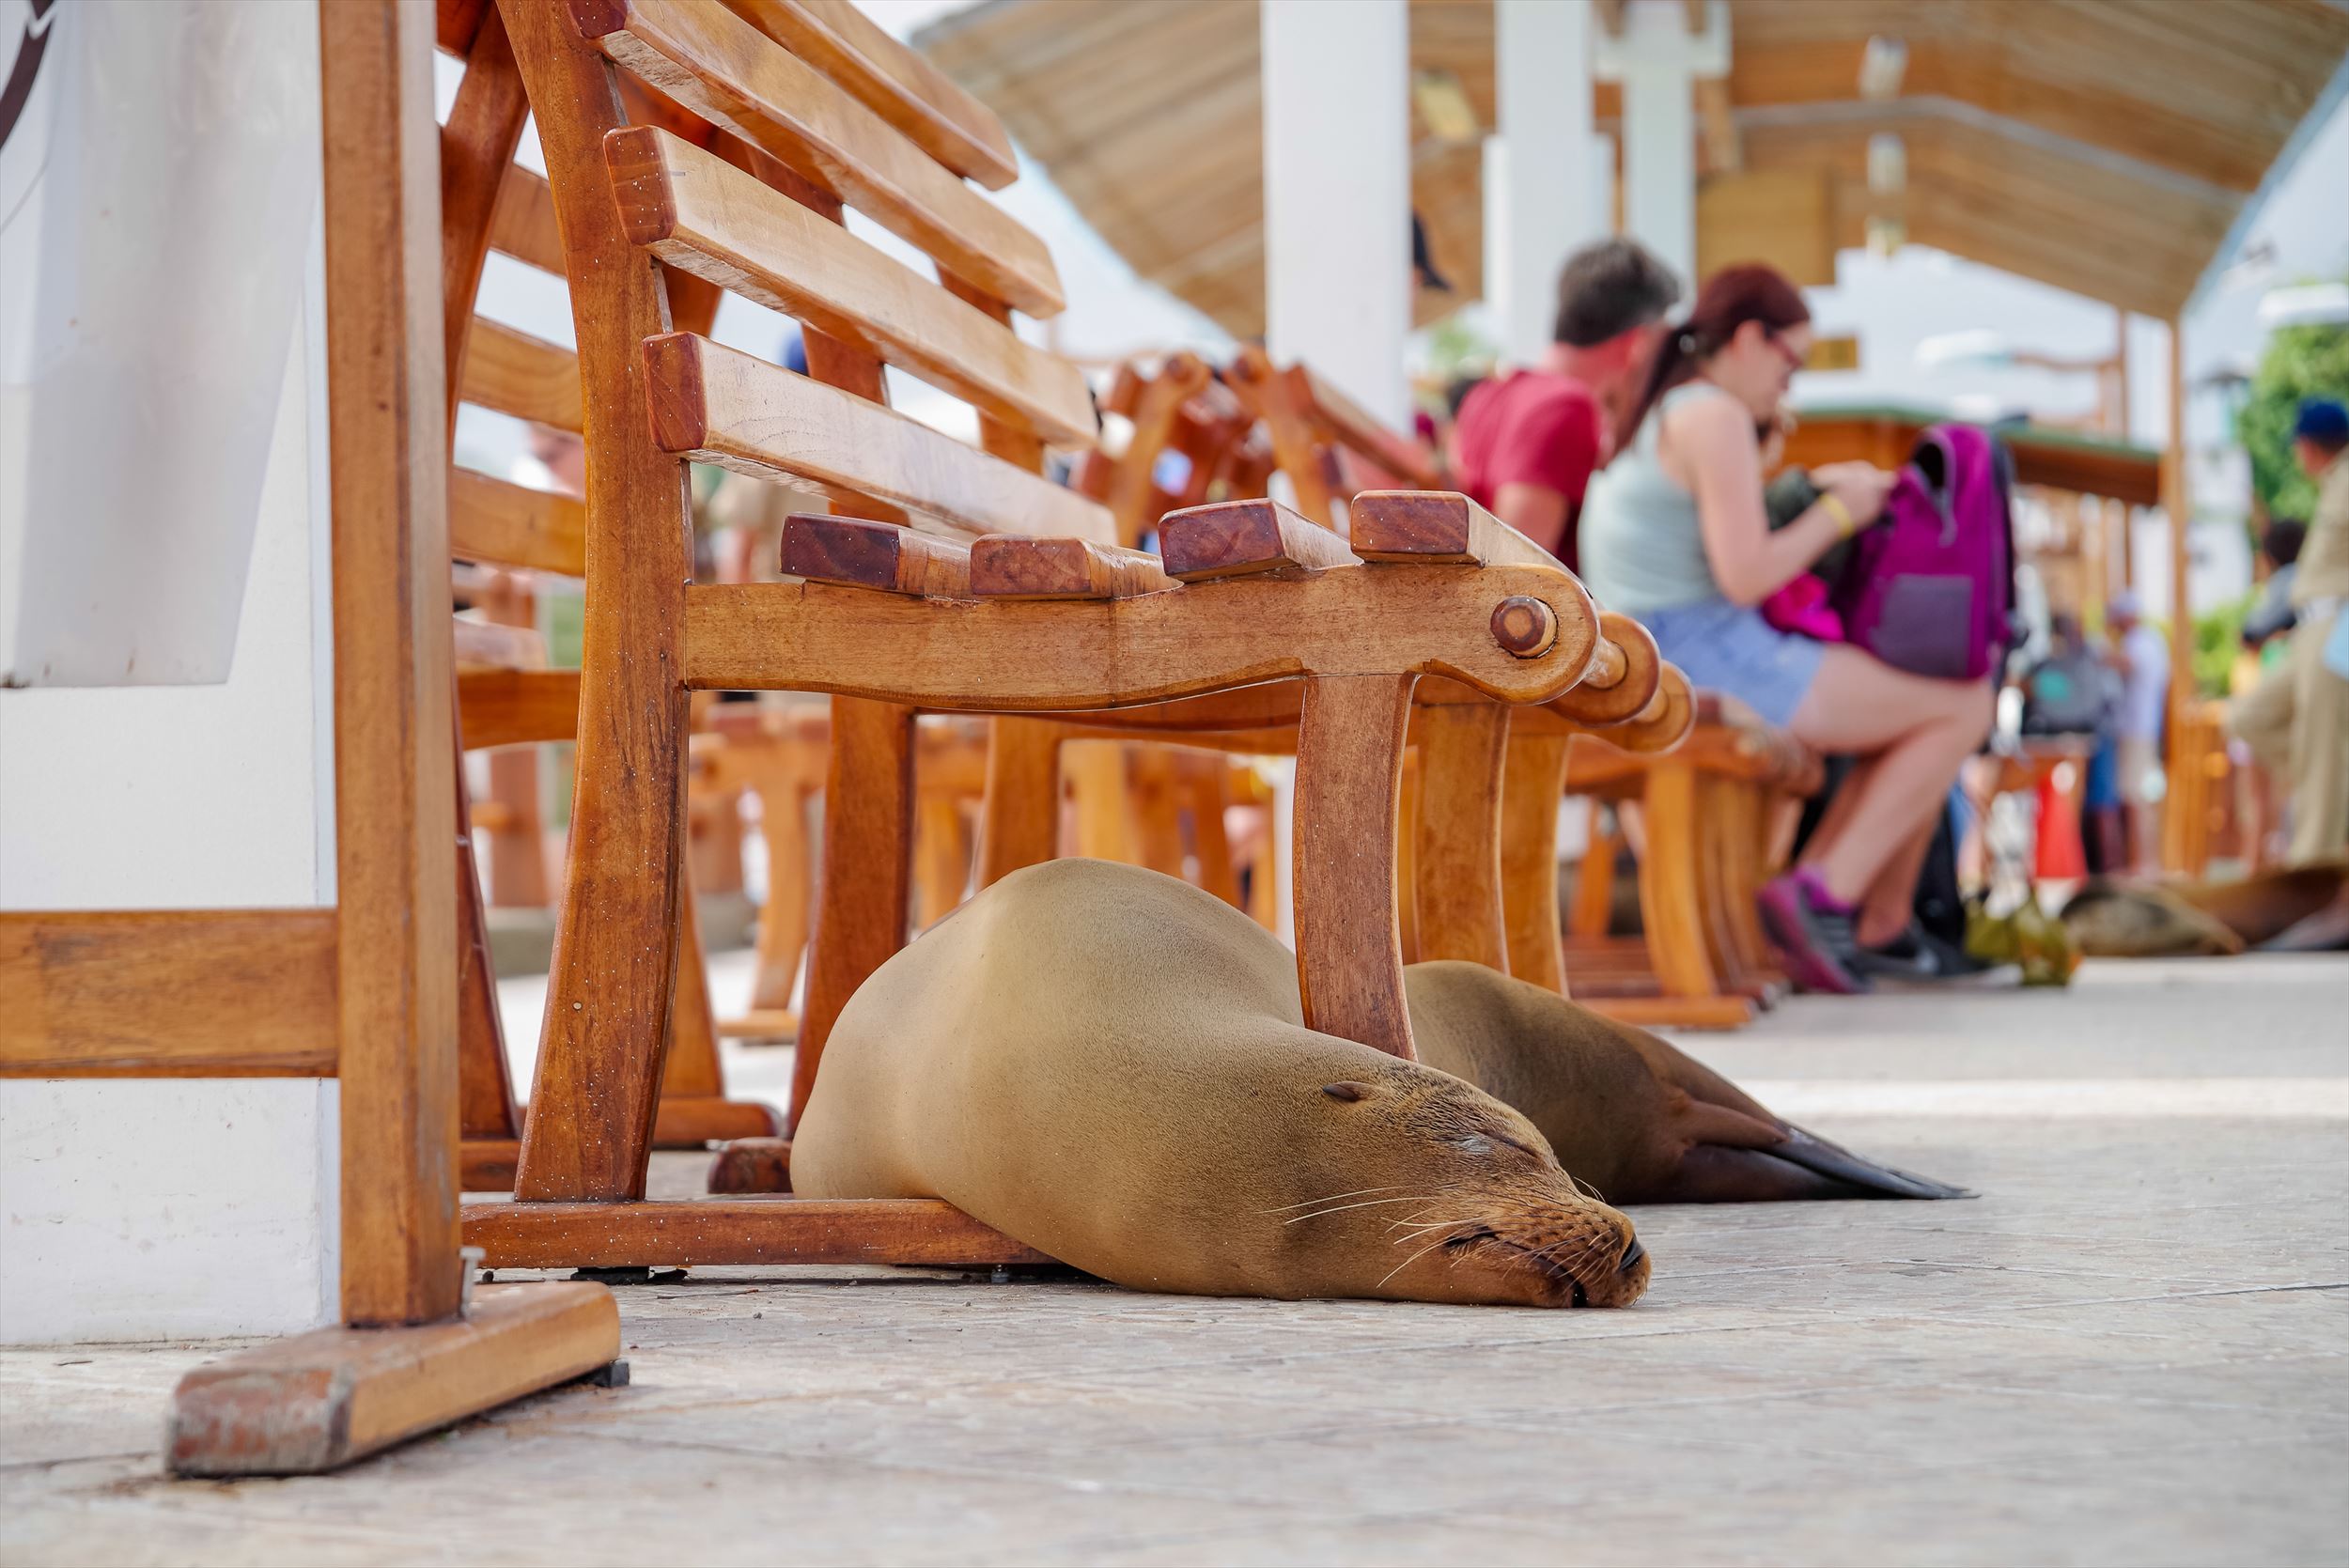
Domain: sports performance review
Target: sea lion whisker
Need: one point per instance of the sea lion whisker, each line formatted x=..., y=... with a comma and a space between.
x=1410, y=1261
x=1368, y=1203
x=1589, y=1241
x=1327, y=1198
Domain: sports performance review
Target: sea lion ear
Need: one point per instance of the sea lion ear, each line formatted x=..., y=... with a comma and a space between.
x=1347, y=1092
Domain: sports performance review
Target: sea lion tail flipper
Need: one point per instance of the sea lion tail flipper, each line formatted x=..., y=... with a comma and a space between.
x=1873, y=1180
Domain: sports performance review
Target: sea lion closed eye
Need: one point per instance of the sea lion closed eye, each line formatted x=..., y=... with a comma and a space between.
x=1111, y=1066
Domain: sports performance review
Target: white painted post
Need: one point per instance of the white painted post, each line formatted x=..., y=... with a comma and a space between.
x=1337, y=167
x=1542, y=166
x=1659, y=126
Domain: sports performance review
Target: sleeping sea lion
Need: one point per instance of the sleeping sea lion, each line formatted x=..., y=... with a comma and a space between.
x=2121, y=920
x=1111, y=1066
x=1639, y=1120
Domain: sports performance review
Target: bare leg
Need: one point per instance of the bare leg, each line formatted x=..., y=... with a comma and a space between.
x=1891, y=899
x=1915, y=733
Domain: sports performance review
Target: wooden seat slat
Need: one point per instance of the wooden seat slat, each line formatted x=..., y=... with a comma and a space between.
x=505, y=525
x=855, y=553
x=725, y=69
x=1234, y=538
x=516, y=374
x=892, y=81
x=741, y=412
x=700, y=214
x=1008, y=566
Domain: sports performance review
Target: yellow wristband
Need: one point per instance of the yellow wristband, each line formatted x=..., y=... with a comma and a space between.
x=1845, y=526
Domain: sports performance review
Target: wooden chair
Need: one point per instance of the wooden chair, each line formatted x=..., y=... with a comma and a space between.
x=1327, y=444
x=1179, y=410
x=819, y=109
x=506, y=696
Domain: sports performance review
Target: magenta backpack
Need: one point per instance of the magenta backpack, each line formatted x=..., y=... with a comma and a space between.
x=1931, y=588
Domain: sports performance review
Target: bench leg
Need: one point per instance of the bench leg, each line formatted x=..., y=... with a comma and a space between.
x=1460, y=908
x=1595, y=885
x=1670, y=884
x=1745, y=835
x=864, y=884
x=942, y=861
x=1157, y=813
x=1020, y=820
x=693, y=1108
x=1105, y=823
x=783, y=923
x=1532, y=780
x=1349, y=765
x=1716, y=887
x=1202, y=784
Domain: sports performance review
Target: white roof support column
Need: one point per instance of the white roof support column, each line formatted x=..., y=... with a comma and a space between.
x=1337, y=187
x=1658, y=60
x=1540, y=168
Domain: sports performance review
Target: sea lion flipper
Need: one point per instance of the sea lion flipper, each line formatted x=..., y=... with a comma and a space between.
x=1710, y=1173
x=1832, y=1159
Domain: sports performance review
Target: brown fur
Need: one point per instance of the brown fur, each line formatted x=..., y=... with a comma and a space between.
x=1111, y=1066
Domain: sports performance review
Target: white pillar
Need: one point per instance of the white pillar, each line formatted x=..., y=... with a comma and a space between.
x=1337, y=187
x=1542, y=165
x=1659, y=137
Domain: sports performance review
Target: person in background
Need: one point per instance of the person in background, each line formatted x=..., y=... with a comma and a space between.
x=2297, y=718
x=1526, y=443
x=2139, y=656
x=1675, y=532
x=2273, y=616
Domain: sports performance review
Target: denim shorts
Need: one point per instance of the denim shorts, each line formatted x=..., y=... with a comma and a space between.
x=1725, y=649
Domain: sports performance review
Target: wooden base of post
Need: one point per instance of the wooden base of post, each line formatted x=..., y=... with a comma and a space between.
x=718, y=1230
x=320, y=1400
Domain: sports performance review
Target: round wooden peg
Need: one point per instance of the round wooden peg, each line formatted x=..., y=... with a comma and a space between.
x=1527, y=628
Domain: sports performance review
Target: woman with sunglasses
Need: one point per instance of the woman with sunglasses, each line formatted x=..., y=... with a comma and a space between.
x=1673, y=533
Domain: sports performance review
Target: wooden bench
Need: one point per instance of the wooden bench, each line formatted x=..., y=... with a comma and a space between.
x=969, y=583
x=1709, y=810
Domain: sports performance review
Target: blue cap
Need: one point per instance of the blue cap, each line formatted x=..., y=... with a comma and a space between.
x=2323, y=421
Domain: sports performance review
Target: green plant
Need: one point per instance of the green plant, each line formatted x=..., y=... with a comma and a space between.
x=2297, y=363
x=2218, y=642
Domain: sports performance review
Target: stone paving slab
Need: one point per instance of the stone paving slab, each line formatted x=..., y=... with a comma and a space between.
x=2134, y=1347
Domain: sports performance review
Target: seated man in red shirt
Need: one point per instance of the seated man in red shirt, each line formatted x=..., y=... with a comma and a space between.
x=1526, y=443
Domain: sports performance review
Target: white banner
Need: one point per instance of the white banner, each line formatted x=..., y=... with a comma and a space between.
x=158, y=182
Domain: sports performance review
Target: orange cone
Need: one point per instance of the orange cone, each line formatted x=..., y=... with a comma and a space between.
x=2061, y=857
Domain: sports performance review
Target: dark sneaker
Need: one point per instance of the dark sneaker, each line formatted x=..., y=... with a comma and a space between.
x=1813, y=933
x=1916, y=956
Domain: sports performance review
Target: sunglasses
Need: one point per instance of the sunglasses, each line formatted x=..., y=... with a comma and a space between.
x=1793, y=361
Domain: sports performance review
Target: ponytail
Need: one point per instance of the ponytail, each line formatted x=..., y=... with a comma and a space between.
x=1732, y=297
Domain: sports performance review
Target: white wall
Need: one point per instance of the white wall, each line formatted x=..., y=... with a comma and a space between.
x=183, y=1207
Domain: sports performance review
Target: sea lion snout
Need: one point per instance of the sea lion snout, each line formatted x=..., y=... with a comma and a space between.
x=1499, y=1220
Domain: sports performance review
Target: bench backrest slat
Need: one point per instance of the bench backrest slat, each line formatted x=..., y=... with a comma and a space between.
x=718, y=405
x=709, y=59
x=892, y=81
x=697, y=213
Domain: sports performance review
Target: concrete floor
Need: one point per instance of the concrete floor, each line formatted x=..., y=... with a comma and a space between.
x=2133, y=1348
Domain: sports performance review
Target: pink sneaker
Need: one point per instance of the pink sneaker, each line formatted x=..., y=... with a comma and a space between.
x=1813, y=933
